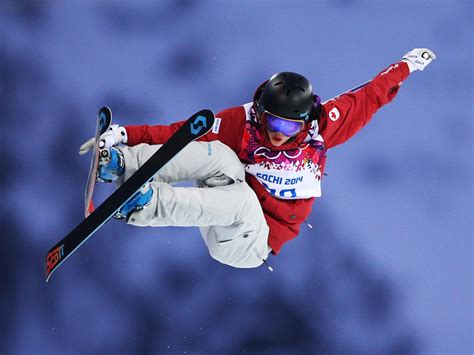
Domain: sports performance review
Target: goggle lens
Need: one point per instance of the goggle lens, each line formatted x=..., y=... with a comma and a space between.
x=282, y=125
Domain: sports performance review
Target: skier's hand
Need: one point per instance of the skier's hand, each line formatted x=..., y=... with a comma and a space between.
x=113, y=136
x=418, y=58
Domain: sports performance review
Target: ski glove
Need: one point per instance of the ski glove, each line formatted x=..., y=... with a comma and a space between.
x=113, y=136
x=418, y=58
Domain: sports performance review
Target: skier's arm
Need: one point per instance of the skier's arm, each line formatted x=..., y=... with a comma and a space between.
x=113, y=136
x=345, y=115
x=158, y=134
x=227, y=129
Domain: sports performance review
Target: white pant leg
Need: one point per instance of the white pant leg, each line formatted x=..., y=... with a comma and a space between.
x=197, y=161
x=230, y=217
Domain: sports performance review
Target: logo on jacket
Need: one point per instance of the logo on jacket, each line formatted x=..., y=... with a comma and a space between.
x=217, y=125
x=390, y=68
x=334, y=114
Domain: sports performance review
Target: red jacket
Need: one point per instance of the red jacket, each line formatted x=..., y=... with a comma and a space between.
x=340, y=119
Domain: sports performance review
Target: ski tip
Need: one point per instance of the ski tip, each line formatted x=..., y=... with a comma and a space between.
x=201, y=122
x=105, y=120
x=90, y=208
x=206, y=113
x=105, y=109
x=53, y=259
x=47, y=272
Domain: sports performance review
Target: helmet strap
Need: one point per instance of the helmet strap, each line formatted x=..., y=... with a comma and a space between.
x=256, y=99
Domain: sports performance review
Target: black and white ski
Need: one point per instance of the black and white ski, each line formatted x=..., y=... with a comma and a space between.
x=196, y=126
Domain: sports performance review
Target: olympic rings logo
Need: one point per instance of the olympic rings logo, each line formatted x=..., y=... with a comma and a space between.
x=269, y=154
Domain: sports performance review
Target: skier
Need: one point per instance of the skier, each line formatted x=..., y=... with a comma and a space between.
x=260, y=168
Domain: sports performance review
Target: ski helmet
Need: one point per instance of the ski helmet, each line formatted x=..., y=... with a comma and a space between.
x=286, y=94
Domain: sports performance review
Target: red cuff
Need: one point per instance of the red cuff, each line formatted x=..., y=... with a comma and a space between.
x=132, y=136
x=405, y=70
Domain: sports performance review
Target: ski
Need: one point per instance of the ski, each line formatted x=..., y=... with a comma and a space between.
x=196, y=126
x=104, y=120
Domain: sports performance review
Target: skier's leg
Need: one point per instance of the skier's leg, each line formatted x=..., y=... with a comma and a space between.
x=139, y=201
x=204, y=161
x=111, y=168
x=230, y=218
x=244, y=244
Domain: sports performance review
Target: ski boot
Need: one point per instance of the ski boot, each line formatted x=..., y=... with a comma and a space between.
x=139, y=201
x=111, y=165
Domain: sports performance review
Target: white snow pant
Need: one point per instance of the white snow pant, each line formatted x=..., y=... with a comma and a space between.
x=229, y=217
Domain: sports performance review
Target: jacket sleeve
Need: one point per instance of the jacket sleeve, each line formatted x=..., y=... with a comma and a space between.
x=228, y=128
x=345, y=115
x=158, y=134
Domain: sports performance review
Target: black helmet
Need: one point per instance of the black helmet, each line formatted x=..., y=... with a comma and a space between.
x=286, y=94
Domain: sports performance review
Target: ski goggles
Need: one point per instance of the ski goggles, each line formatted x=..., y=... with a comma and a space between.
x=286, y=126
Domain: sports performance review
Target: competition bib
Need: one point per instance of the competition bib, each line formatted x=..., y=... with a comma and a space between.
x=288, y=174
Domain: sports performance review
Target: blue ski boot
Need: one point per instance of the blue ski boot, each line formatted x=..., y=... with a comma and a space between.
x=111, y=165
x=139, y=201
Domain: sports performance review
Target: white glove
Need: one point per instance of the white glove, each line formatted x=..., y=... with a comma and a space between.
x=418, y=58
x=113, y=136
